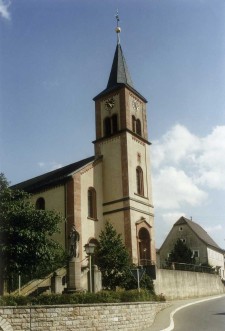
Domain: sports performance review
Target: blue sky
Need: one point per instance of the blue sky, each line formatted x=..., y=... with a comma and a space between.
x=56, y=55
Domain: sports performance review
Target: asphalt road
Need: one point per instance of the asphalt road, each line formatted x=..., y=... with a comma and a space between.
x=204, y=316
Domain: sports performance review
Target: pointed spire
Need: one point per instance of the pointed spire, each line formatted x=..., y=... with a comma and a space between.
x=119, y=72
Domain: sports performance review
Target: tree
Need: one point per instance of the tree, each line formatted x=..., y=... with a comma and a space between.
x=181, y=253
x=112, y=258
x=26, y=244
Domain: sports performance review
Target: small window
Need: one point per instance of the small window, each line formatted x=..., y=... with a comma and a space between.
x=92, y=211
x=180, y=228
x=183, y=240
x=139, y=179
x=40, y=204
x=195, y=254
x=139, y=158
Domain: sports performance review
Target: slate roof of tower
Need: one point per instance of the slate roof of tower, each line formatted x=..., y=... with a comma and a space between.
x=52, y=178
x=119, y=71
x=199, y=231
x=119, y=75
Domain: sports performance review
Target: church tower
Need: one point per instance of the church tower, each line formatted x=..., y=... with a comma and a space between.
x=122, y=141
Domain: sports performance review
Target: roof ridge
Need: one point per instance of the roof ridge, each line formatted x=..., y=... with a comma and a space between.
x=199, y=231
x=52, y=176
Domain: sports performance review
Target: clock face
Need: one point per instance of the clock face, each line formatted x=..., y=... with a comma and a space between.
x=135, y=105
x=109, y=104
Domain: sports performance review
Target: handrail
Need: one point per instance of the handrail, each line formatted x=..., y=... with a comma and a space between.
x=187, y=267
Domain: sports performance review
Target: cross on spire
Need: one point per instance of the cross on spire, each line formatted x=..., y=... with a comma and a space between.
x=117, y=17
x=118, y=29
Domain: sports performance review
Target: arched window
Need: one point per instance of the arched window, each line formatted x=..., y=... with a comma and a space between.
x=92, y=210
x=133, y=123
x=138, y=127
x=110, y=125
x=107, y=126
x=40, y=204
x=114, y=123
x=144, y=247
x=139, y=178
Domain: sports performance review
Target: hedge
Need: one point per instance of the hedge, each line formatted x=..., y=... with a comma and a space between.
x=81, y=298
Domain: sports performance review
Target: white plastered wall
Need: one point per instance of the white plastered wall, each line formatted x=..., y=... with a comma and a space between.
x=91, y=228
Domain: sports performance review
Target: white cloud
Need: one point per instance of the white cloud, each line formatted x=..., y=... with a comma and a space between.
x=211, y=161
x=202, y=159
x=212, y=229
x=187, y=171
x=49, y=166
x=174, y=146
x=173, y=188
x=171, y=217
x=4, y=6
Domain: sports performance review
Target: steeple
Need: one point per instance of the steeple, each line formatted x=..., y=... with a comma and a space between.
x=119, y=72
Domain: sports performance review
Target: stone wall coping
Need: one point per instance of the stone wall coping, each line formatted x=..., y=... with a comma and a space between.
x=86, y=305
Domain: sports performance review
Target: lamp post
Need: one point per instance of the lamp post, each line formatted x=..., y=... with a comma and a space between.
x=144, y=250
x=89, y=249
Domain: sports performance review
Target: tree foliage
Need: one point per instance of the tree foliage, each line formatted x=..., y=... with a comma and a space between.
x=181, y=253
x=26, y=244
x=112, y=258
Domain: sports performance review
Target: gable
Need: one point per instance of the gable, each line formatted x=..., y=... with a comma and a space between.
x=199, y=231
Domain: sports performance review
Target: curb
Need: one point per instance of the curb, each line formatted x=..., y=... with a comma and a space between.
x=171, y=326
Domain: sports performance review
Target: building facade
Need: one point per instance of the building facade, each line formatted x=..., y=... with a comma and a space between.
x=204, y=248
x=114, y=184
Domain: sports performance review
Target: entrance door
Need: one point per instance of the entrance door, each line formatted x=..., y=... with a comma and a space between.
x=144, y=247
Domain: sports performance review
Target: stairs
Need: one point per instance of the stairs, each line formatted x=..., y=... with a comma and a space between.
x=39, y=286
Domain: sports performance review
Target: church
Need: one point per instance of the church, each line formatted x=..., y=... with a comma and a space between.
x=113, y=185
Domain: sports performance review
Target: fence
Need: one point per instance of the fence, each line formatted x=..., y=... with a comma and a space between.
x=188, y=267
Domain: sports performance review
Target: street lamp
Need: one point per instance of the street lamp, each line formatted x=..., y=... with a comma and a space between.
x=144, y=250
x=89, y=249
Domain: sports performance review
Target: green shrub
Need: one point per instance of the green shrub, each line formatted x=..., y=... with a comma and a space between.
x=136, y=296
x=81, y=298
x=17, y=300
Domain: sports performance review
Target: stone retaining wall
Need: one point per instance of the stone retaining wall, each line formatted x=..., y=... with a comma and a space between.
x=174, y=284
x=97, y=317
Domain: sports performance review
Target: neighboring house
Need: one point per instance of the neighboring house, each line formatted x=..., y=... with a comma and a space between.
x=204, y=248
x=115, y=183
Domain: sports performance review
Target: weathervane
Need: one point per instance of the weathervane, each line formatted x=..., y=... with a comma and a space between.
x=118, y=29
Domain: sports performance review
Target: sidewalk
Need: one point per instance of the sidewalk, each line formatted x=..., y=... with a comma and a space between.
x=162, y=320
